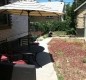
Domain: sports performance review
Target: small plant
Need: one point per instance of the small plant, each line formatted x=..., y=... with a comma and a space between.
x=60, y=77
x=60, y=52
x=59, y=33
x=45, y=36
x=84, y=60
x=40, y=39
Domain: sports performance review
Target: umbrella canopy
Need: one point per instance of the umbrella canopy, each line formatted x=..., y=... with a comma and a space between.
x=34, y=8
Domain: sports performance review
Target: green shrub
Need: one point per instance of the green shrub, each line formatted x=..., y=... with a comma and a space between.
x=59, y=33
x=47, y=26
x=84, y=60
x=60, y=77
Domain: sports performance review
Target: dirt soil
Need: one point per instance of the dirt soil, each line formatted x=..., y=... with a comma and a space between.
x=69, y=58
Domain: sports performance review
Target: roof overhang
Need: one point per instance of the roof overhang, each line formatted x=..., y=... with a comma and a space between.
x=80, y=6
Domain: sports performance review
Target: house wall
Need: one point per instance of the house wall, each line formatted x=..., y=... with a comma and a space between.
x=47, y=18
x=80, y=21
x=80, y=17
x=18, y=29
x=19, y=26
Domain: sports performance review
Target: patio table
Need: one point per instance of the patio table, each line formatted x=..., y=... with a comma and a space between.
x=31, y=57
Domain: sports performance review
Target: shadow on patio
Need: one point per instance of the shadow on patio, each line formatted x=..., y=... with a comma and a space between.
x=32, y=54
x=39, y=58
x=43, y=58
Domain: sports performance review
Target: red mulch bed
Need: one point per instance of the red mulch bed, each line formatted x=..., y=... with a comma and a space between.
x=68, y=56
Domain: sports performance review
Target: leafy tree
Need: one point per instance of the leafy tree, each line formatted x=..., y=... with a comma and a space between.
x=78, y=2
x=49, y=0
x=67, y=25
x=69, y=18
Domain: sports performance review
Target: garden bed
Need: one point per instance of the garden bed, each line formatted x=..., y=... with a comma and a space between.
x=69, y=58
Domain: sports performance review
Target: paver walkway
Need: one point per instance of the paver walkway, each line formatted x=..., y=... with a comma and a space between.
x=46, y=72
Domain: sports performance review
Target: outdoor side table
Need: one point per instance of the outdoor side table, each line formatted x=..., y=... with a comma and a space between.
x=28, y=56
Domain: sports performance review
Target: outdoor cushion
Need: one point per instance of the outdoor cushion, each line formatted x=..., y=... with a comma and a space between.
x=4, y=58
x=19, y=62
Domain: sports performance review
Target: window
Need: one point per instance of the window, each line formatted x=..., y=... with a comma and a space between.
x=4, y=18
x=49, y=17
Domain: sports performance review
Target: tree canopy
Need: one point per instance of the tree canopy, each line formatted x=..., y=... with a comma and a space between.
x=78, y=2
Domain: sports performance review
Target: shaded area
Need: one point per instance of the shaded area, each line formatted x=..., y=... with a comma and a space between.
x=6, y=71
x=44, y=58
x=80, y=32
x=32, y=54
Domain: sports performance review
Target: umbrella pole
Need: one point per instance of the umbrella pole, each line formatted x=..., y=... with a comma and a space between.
x=28, y=22
x=28, y=28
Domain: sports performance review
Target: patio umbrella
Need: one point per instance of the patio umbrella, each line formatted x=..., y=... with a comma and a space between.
x=31, y=9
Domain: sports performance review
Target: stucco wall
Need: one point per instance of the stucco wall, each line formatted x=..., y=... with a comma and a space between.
x=18, y=29
x=19, y=26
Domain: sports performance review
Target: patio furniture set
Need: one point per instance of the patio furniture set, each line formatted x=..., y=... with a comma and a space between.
x=17, y=62
x=12, y=52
